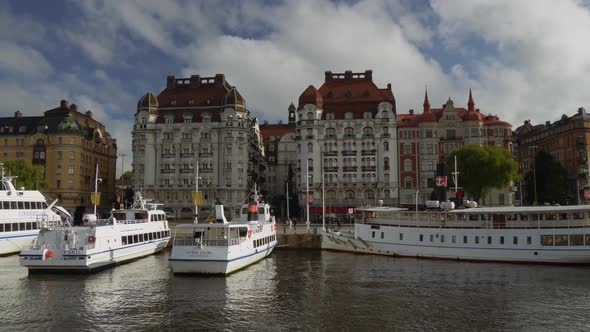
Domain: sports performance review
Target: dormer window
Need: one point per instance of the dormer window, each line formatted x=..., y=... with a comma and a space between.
x=169, y=118
x=348, y=116
x=173, y=102
x=310, y=116
x=206, y=117
x=187, y=118
x=367, y=115
x=191, y=102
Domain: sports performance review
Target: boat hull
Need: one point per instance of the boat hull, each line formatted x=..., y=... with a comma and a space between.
x=212, y=266
x=389, y=244
x=89, y=261
x=13, y=242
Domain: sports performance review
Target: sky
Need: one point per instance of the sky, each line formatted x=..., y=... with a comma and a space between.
x=524, y=60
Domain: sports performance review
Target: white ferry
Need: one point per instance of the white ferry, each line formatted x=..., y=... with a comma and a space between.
x=222, y=247
x=21, y=211
x=126, y=235
x=539, y=234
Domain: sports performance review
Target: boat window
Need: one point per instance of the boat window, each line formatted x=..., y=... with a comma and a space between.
x=43, y=205
x=382, y=235
x=373, y=234
x=27, y=205
x=433, y=216
x=7, y=228
x=150, y=236
x=401, y=236
x=474, y=217
x=524, y=217
x=578, y=215
x=551, y=216
x=431, y=237
x=243, y=231
x=561, y=240
x=515, y=240
x=501, y=240
x=5, y=205
x=454, y=239
x=29, y=226
x=464, y=238
x=1, y=227
x=135, y=238
x=587, y=239
x=476, y=239
x=141, y=215
x=13, y=205
x=510, y=217
x=141, y=238
x=489, y=240
x=547, y=240
x=529, y=240
x=442, y=238
x=421, y=237
x=119, y=216
x=563, y=216
x=577, y=240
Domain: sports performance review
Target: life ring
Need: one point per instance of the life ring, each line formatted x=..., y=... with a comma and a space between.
x=249, y=233
x=92, y=239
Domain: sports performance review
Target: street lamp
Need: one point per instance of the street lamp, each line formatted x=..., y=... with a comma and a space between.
x=122, y=155
x=533, y=148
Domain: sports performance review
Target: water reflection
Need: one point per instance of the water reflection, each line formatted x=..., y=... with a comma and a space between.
x=295, y=290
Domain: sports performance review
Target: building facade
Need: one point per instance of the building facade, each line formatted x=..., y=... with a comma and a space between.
x=196, y=122
x=567, y=140
x=67, y=144
x=281, y=157
x=346, y=132
x=428, y=138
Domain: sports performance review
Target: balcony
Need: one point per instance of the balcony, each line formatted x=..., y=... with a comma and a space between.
x=168, y=155
x=348, y=135
x=187, y=171
x=167, y=140
x=386, y=135
x=205, y=170
x=330, y=169
x=330, y=153
x=368, y=168
x=349, y=153
x=385, y=120
x=349, y=168
x=332, y=136
x=187, y=140
x=309, y=137
x=297, y=137
x=368, y=152
x=205, y=154
x=368, y=135
x=167, y=171
x=187, y=155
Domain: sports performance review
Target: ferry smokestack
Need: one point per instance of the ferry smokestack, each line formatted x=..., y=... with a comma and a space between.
x=440, y=182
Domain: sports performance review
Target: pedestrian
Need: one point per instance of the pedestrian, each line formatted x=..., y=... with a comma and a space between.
x=295, y=224
x=338, y=223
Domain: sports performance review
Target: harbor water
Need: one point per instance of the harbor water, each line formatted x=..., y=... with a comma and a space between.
x=301, y=290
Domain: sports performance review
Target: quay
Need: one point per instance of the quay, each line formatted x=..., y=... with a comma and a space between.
x=298, y=237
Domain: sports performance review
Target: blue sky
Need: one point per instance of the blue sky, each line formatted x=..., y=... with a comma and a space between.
x=523, y=59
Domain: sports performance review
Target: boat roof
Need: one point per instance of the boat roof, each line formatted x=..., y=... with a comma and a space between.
x=201, y=225
x=491, y=209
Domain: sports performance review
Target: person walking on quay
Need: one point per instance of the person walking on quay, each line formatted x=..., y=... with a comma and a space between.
x=338, y=223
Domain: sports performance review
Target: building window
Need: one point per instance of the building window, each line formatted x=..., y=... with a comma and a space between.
x=169, y=119
x=309, y=148
x=407, y=165
x=72, y=155
x=71, y=184
x=407, y=148
x=408, y=182
x=71, y=169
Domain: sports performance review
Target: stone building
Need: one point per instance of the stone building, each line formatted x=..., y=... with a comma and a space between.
x=567, y=140
x=67, y=144
x=196, y=121
x=345, y=131
x=428, y=138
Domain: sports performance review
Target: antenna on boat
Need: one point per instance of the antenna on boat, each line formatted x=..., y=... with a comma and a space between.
x=455, y=176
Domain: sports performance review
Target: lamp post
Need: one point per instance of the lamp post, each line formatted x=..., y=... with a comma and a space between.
x=307, y=192
x=122, y=155
x=533, y=148
x=323, y=189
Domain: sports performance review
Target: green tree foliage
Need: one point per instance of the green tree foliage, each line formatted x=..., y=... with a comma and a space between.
x=552, y=182
x=483, y=168
x=127, y=177
x=28, y=176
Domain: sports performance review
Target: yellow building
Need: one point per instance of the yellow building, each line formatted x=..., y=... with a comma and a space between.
x=67, y=144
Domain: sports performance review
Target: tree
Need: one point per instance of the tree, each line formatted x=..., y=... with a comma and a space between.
x=551, y=181
x=127, y=177
x=483, y=168
x=28, y=176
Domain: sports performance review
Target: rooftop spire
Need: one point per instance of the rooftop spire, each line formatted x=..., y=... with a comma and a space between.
x=470, y=103
x=426, y=101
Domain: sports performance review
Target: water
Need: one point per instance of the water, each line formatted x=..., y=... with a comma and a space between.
x=301, y=290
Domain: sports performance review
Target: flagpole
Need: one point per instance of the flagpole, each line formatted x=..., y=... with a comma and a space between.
x=307, y=191
x=197, y=195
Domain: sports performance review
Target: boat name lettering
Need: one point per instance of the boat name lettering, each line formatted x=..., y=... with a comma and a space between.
x=203, y=253
x=29, y=213
x=74, y=252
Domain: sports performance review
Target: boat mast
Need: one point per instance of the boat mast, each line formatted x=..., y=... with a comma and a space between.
x=95, y=188
x=197, y=195
x=288, y=201
x=307, y=191
x=455, y=176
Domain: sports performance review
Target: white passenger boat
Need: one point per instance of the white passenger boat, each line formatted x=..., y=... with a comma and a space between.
x=21, y=211
x=539, y=234
x=223, y=247
x=126, y=235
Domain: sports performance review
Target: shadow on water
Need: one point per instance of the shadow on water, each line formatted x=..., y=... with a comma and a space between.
x=301, y=290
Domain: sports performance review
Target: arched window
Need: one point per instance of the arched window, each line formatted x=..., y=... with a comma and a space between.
x=348, y=132
x=386, y=163
x=367, y=132
x=309, y=148
x=330, y=132
x=386, y=193
x=350, y=194
x=386, y=177
x=385, y=146
x=310, y=116
x=298, y=148
x=369, y=194
x=310, y=164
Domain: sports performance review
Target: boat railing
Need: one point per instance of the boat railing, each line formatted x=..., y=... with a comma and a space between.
x=132, y=221
x=45, y=221
x=60, y=246
x=486, y=224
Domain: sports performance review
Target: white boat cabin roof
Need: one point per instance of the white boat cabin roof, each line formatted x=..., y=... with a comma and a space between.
x=490, y=210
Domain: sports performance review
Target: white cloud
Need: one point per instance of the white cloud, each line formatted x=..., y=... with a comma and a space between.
x=23, y=60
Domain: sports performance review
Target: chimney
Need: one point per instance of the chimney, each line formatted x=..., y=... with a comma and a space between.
x=64, y=103
x=547, y=123
x=195, y=81
x=17, y=114
x=411, y=112
x=348, y=75
x=74, y=107
x=328, y=75
x=219, y=79
x=389, y=86
x=171, y=82
x=581, y=110
x=89, y=114
x=369, y=75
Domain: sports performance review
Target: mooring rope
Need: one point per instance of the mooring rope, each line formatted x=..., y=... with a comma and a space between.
x=291, y=244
